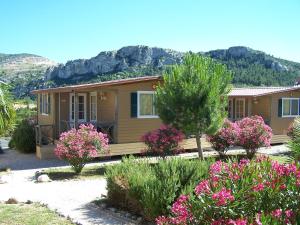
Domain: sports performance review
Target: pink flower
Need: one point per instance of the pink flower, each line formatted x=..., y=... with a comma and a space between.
x=202, y=187
x=258, y=187
x=238, y=222
x=223, y=197
x=277, y=213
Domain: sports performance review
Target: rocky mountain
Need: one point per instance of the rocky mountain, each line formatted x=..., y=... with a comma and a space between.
x=116, y=61
x=249, y=67
x=24, y=71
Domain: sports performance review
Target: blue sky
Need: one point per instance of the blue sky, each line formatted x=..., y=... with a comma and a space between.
x=69, y=29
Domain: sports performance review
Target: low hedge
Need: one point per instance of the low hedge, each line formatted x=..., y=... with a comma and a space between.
x=23, y=137
x=150, y=189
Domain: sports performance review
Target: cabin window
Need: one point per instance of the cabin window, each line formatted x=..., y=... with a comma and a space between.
x=81, y=102
x=230, y=109
x=146, y=107
x=45, y=104
x=239, y=108
x=290, y=107
x=93, y=106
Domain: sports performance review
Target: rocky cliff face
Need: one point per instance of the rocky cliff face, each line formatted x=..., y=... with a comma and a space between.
x=116, y=61
x=249, y=55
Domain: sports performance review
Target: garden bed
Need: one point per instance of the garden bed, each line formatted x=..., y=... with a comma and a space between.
x=66, y=173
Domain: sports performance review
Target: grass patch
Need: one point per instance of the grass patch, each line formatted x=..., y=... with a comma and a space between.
x=30, y=214
x=88, y=172
x=283, y=159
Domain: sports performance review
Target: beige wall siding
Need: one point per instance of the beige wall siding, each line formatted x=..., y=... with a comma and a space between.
x=49, y=118
x=131, y=129
x=106, y=108
x=280, y=124
x=262, y=106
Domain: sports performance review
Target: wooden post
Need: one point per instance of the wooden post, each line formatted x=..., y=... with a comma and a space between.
x=75, y=109
x=249, y=106
x=59, y=121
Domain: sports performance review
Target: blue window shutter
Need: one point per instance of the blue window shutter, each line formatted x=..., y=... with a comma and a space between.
x=49, y=104
x=133, y=107
x=279, y=107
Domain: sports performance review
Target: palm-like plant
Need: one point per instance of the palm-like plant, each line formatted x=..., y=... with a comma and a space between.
x=7, y=112
x=294, y=143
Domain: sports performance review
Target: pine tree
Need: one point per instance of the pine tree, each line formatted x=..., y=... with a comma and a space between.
x=193, y=96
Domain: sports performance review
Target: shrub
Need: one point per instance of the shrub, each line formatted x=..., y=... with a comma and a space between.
x=294, y=143
x=23, y=137
x=260, y=191
x=224, y=138
x=253, y=133
x=163, y=141
x=149, y=190
x=78, y=146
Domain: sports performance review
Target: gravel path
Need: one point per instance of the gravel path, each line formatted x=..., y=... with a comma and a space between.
x=69, y=198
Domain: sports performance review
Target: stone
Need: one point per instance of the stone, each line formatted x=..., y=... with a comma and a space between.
x=43, y=178
x=4, y=179
x=11, y=201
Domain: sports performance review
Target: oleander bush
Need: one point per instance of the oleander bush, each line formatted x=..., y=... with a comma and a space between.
x=249, y=133
x=253, y=134
x=23, y=137
x=163, y=141
x=150, y=189
x=258, y=192
x=79, y=146
x=225, y=137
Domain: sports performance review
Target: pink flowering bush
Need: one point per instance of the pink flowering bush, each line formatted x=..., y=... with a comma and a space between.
x=257, y=192
x=226, y=137
x=78, y=146
x=250, y=133
x=253, y=134
x=163, y=141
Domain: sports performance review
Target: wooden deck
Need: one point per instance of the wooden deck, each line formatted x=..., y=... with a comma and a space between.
x=47, y=151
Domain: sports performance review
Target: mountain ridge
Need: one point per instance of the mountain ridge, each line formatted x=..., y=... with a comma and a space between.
x=249, y=67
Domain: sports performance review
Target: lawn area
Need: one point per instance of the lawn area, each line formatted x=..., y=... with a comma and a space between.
x=281, y=158
x=88, y=172
x=29, y=214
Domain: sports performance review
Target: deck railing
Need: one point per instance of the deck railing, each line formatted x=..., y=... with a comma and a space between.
x=104, y=127
x=45, y=134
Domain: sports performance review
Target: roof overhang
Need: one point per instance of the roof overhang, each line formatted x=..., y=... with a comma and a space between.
x=263, y=93
x=99, y=84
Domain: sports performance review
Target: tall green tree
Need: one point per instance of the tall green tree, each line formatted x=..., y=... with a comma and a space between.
x=7, y=112
x=193, y=96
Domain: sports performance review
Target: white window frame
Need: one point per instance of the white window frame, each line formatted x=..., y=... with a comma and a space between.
x=45, y=105
x=231, y=108
x=93, y=94
x=138, y=105
x=290, y=107
x=70, y=107
x=244, y=106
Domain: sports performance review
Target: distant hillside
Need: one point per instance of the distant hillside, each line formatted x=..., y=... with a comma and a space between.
x=250, y=67
x=23, y=71
x=256, y=68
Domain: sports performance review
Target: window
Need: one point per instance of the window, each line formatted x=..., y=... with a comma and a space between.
x=290, y=107
x=230, y=109
x=239, y=108
x=45, y=104
x=81, y=101
x=93, y=106
x=146, y=108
